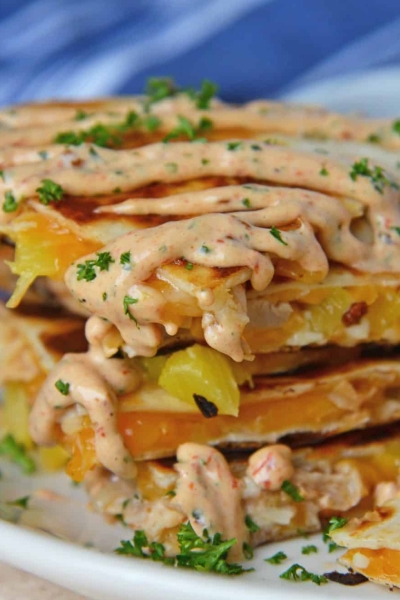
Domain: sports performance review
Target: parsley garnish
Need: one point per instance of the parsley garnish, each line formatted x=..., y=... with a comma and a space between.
x=373, y=138
x=50, y=191
x=101, y=135
x=208, y=554
x=292, y=491
x=232, y=146
x=396, y=126
x=127, y=302
x=205, y=94
x=2, y=174
x=324, y=172
x=10, y=204
x=277, y=235
x=104, y=296
x=81, y=115
x=170, y=493
x=276, y=559
x=158, y=88
x=247, y=551
x=62, y=387
x=298, y=573
x=246, y=202
x=21, y=502
x=16, y=452
x=171, y=167
x=152, y=123
x=376, y=175
x=87, y=269
x=311, y=549
x=334, y=523
x=205, y=249
x=396, y=229
x=186, y=129
x=251, y=526
x=125, y=258
x=189, y=266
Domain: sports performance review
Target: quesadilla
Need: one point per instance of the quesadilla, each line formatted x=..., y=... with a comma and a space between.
x=373, y=540
x=239, y=268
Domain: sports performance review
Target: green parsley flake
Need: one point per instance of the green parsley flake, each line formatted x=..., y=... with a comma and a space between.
x=396, y=229
x=276, y=559
x=202, y=554
x=170, y=493
x=158, y=88
x=2, y=174
x=127, y=302
x=205, y=249
x=232, y=146
x=62, y=387
x=87, y=270
x=100, y=135
x=324, y=172
x=125, y=258
x=189, y=266
x=81, y=115
x=21, y=502
x=104, y=296
x=205, y=94
x=334, y=523
x=16, y=452
x=396, y=126
x=373, y=138
x=152, y=123
x=298, y=573
x=311, y=549
x=291, y=490
x=50, y=191
x=251, y=526
x=246, y=202
x=171, y=167
x=205, y=161
x=376, y=175
x=277, y=235
x=247, y=551
x=10, y=204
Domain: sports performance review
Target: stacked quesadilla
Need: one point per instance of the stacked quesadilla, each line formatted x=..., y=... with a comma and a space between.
x=238, y=270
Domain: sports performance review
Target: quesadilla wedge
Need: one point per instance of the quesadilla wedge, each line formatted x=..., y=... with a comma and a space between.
x=373, y=541
x=277, y=491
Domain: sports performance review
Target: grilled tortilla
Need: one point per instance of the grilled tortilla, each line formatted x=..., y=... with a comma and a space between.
x=338, y=477
x=373, y=540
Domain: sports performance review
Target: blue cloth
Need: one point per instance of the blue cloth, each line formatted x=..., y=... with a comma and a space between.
x=252, y=48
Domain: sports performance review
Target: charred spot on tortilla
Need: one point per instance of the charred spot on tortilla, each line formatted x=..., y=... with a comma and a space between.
x=208, y=409
x=346, y=578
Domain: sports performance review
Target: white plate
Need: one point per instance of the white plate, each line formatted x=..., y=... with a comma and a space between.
x=63, y=556
x=96, y=572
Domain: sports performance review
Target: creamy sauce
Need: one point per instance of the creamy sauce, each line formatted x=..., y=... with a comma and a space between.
x=269, y=467
x=94, y=382
x=210, y=495
x=30, y=125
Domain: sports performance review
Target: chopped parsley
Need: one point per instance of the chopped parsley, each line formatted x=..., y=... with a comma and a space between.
x=104, y=296
x=376, y=175
x=50, y=191
x=87, y=269
x=246, y=202
x=128, y=300
x=186, y=129
x=396, y=229
x=200, y=553
x=291, y=490
x=170, y=493
x=158, y=88
x=171, y=167
x=62, y=387
x=251, y=526
x=205, y=161
x=152, y=123
x=16, y=452
x=189, y=266
x=277, y=235
x=10, y=204
x=334, y=523
x=232, y=146
x=125, y=258
x=247, y=551
x=276, y=559
x=81, y=115
x=311, y=549
x=324, y=172
x=205, y=249
x=396, y=126
x=373, y=138
x=203, y=97
x=21, y=502
x=298, y=573
x=2, y=173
